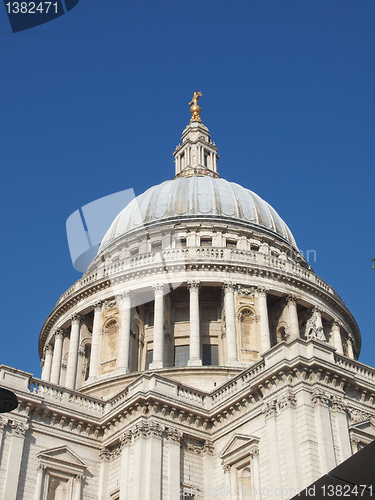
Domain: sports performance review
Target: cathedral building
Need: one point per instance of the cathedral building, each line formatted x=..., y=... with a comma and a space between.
x=198, y=357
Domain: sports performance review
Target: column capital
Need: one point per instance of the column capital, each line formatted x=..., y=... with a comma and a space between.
x=193, y=285
x=76, y=319
x=229, y=287
x=291, y=298
x=81, y=350
x=97, y=305
x=173, y=435
x=336, y=324
x=19, y=429
x=262, y=292
x=48, y=349
x=58, y=333
x=124, y=297
x=159, y=288
x=317, y=310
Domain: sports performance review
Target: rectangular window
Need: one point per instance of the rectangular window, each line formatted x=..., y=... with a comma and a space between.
x=206, y=242
x=231, y=244
x=181, y=355
x=149, y=358
x=135, y=251
x=156, y=247
x=181, y=243
x=210, y=355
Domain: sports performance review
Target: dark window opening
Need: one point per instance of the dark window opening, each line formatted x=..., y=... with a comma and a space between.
x=210, y=355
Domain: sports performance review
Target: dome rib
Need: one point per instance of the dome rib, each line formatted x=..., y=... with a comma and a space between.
x=197, y=196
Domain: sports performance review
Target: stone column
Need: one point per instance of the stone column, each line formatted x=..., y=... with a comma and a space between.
x=48, y=356
x=57, y=356
x=95, y=342
x=336, y=337
x=39, y=482
x=14, y=460
x=293, y=318
x=264, y=325
x=125, y=324
x=71, y=370
x=174, y=472
x=158, y=350
x=230, y=322
x=195, y=339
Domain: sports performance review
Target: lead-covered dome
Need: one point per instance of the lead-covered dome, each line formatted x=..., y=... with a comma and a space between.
x=197, y=196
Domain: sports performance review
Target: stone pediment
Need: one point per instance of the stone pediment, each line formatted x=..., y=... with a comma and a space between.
x=62, y=458
x=238, y=447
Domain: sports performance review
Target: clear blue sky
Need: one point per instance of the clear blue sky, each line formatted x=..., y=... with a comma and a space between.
x=95, y=102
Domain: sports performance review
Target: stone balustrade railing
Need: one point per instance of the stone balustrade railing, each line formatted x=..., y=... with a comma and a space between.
x=61, y=394
x=360, y=371
x=210, y=254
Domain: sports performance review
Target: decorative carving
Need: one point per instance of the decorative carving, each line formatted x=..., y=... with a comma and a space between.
x=3, y=423
x=226, y=467
x=19, y=429
x=262, y=292
x=313, y=329
x=76, y=319
x=339, y=404
x=208, y=448
x=229, y=287
x=356, y=415
x=193, y=285
x=288, y=400
x=158, y=288
x=174, y=435
x=249, y=292
x=146, y=430
x=319, y=396
x=58, y=333
x=269, y=409
x=97, y=306
x=105, y=454
x=48, y=349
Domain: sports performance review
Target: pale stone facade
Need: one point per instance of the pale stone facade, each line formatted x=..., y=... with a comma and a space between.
x=199, y=355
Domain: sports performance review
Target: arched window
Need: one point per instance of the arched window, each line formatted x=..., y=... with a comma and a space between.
x=245, y=483
x=247, y=321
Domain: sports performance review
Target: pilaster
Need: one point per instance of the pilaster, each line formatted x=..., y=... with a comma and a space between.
x=14, y=461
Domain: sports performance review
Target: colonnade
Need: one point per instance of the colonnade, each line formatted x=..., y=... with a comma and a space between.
x=53, y=354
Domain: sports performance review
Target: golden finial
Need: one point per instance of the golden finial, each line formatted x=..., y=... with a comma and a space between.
x=195, y=110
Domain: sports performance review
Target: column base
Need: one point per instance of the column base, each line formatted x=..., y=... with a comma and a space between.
x=122, y=370
x=195, y=362
x=234, y=363
x=155, y=365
